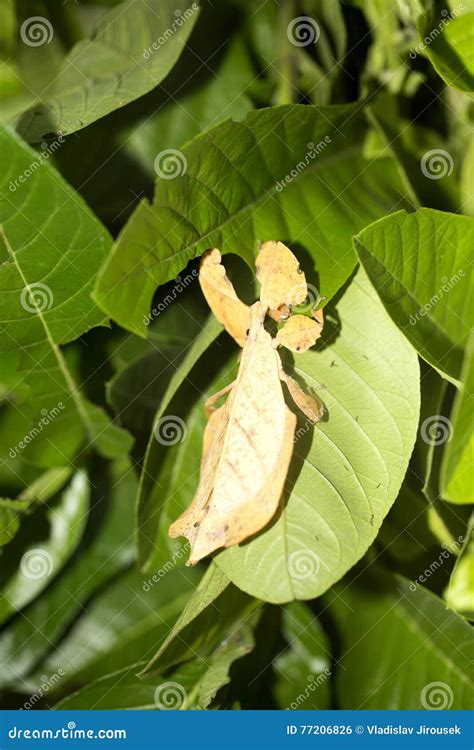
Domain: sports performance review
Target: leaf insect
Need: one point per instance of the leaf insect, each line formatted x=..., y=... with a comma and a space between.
x=248, y=442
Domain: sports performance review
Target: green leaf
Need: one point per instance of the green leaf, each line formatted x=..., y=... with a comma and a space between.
x=451, y=49
x=419, y=265
x=142, y=618
x=347, y=471
x=131, y=50
x=401, y=648
x=303, y=668
x=51, y=252
x=149, y=498
x=413, y=146
x=42, y=558
x=106, y=548
x=458, y=458
x=282, y=180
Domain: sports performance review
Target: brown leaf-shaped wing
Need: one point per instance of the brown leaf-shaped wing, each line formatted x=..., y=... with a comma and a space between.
x=282, y=281
x=300, y=333
x=222, y=298
x=248, y=456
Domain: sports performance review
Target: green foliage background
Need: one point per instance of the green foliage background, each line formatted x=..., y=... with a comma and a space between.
x=134, y=136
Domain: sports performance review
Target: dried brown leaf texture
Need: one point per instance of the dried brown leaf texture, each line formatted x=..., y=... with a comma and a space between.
x=282, y=281
x=222, y=298
x=248, y=449
x=300, y=333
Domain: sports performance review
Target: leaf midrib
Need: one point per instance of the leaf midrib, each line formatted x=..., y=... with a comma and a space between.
x=53, y=345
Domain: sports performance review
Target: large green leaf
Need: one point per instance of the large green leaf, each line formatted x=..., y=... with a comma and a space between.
x=130, y=52
x=272, y=176
x=448, y=42
x=420, y=266
x=347, y=471
x=401, y=647
x=106, y=548
x=458, y=459
x=46, y=549
x=51, y=250
x=303, y=667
